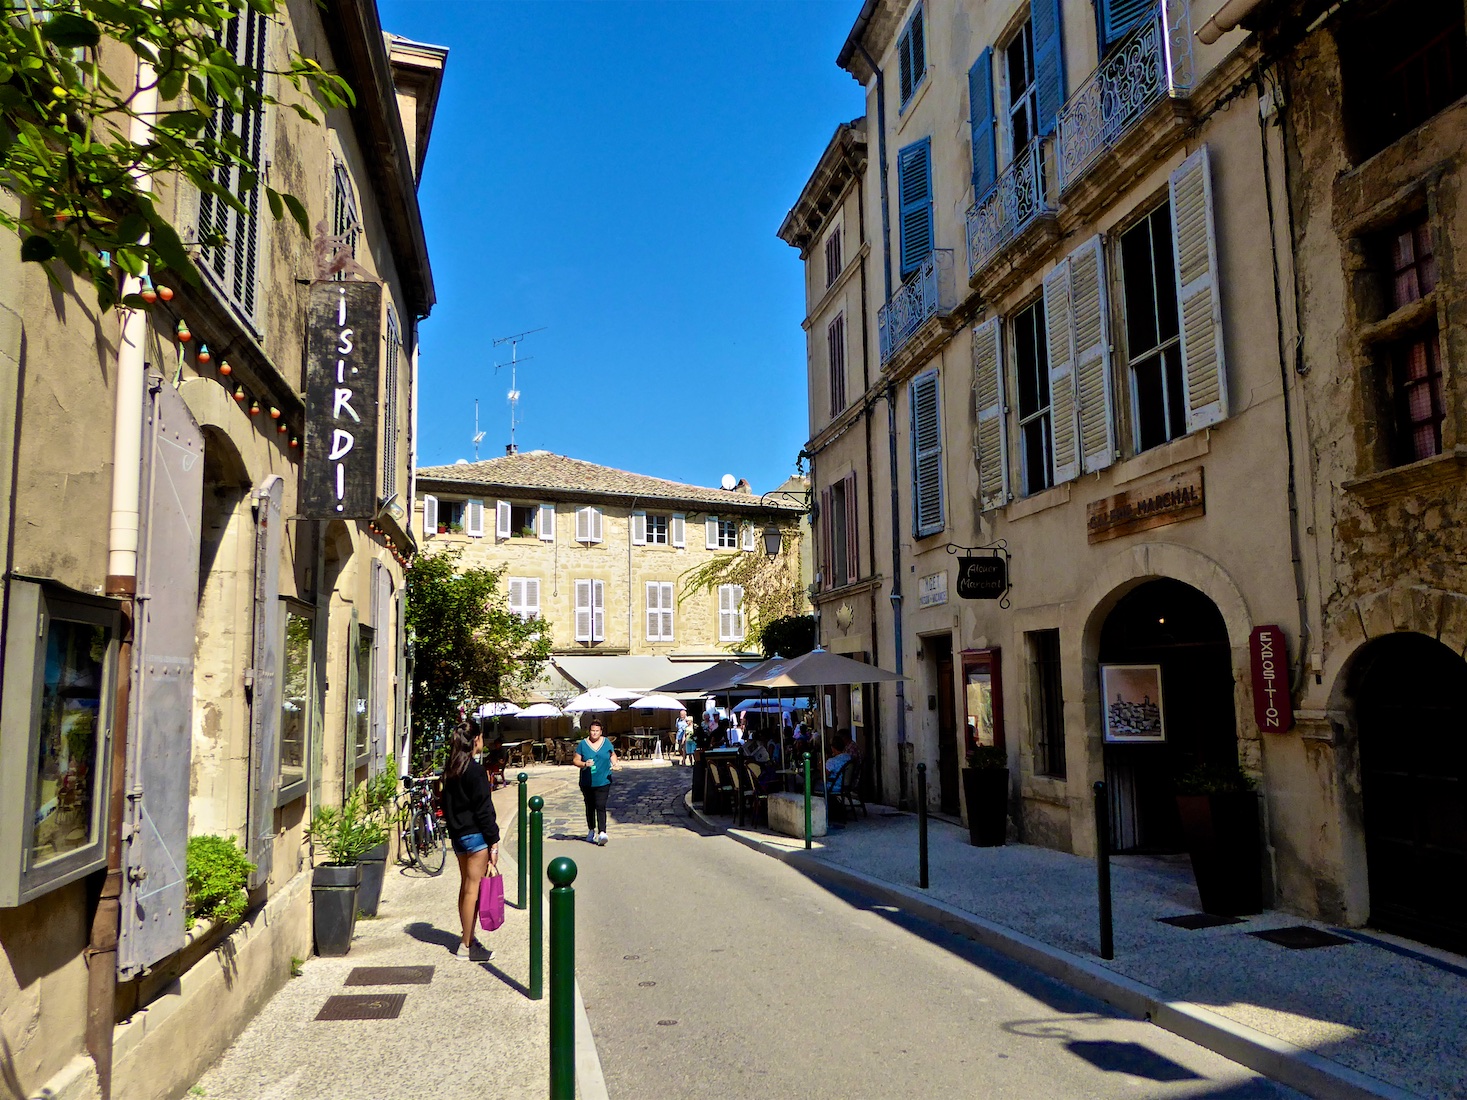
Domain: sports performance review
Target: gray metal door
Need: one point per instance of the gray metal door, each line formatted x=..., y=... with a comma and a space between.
x=382, y=642
x=160, y=720
x=264, y=677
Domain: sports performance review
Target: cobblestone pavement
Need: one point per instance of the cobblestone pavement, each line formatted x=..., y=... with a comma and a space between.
x=646, y=800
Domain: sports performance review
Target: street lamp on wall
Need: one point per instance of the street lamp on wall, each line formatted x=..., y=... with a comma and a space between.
x=772, y=539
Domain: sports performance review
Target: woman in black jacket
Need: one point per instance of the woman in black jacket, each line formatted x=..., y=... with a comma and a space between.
x=468, y=811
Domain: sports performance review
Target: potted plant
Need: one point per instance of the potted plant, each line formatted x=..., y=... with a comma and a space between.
x=381, y=812
x=986, y=789
x=342, y=835
x=1218, y=806
x=443, y=528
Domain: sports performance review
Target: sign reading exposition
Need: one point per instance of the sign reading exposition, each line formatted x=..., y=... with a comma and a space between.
x=343, y=351
x=1268, y=652
x=985, y=578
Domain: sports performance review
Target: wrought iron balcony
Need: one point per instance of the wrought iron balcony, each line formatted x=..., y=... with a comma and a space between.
x=926, y=292
x=1022, y=192
x=1153, y=61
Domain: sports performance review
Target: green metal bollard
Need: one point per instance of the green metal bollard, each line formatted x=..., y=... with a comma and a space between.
x=537, y=898
x=524, y=871
x=807, y=801
x=562, y=979
x=922, y=825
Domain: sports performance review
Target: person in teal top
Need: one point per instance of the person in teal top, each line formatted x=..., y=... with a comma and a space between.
x=595, y=757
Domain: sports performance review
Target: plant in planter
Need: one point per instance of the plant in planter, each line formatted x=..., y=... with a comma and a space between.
x=1218, y=806
x=456, y=528
x=986, y=788
x=380, y=810
x=216, y=872
x=343, y=835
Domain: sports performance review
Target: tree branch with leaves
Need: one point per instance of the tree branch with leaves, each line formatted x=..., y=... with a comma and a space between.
x=69, y=148
x=771, y=585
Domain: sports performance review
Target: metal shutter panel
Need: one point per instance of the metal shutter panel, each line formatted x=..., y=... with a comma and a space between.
x=1090, y=311
x=981, y=124
x=990, y=431
x=1198, y=299
x=1060, y=339
x=155, y=816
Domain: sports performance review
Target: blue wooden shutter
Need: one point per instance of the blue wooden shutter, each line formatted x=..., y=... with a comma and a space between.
x=980, y=114
x=926, y=456
x=911, y=57
x=914, y=189
x=1119, y=17
x=1049, y=62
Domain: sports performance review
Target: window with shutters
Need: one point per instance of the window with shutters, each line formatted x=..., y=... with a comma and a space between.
x=1118, y=18
x=389, y=405
x=295, y=700
x=1153, y=330
x=911, y=58
x=730, y=613
x=927, y=512
x=1046, y=703
x=1022, y=90
x=1031, y=375
x=231, y=239
x=588, y=524
x=524, y=597
x=659, y=611
x=590, y=613
x=914, y=193
x=60, y=669
x=522, y=520
x=835, y=341
x=840, y=561
x=1400, y=64
x=657, y=528
x=728, y=534
x=451, y=515
x=345, y=222
x=361, y=713
x=833, y=259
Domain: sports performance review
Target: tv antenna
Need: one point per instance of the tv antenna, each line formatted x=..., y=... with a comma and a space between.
x=513, y=365
x=478, y=435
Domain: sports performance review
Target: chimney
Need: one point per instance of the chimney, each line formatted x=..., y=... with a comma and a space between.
x=511, y=449
x=744, y=487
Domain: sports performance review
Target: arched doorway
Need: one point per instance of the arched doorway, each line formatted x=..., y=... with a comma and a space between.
x=1178, y=630
x=1410, y=696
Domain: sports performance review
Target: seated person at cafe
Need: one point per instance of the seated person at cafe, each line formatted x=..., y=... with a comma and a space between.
x=837, y=762
x=760, y=751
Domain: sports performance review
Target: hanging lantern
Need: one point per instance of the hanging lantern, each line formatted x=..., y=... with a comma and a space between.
x=274, y=413
x=254, y=408
x=224, y=368
x=165, y=292
x=183, y=333
x=204, y=355
x=294, y=442
x=282, y=427
x=148, y=292
x=239, y=394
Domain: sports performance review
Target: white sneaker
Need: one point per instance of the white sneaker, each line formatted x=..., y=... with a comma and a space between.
x=475, y=952
x=591, y=837
x=601, y=839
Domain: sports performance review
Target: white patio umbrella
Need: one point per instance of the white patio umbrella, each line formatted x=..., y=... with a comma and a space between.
x=591, y=702
x=657, y=702
x=500, y=708
x=542, y=710
x=618, y=695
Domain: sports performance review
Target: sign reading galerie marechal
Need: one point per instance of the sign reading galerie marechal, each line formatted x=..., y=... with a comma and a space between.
x=343, y=357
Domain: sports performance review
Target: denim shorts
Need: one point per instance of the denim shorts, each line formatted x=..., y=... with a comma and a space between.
x=469, y=843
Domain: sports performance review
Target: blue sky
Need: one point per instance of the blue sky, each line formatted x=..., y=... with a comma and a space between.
x=616, y=173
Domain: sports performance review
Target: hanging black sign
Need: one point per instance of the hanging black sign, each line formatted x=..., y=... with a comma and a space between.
x=343, y=352
x=985, y=578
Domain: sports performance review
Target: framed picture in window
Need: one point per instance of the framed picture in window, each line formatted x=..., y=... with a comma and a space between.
x=1132, y=703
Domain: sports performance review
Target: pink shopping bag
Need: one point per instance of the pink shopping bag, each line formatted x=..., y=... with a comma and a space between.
x=491, y=902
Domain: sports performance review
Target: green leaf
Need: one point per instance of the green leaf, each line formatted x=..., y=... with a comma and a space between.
x=131, y=228
x=170, y=249
x=298, y=212
x=170, y=84
x=37, y=249
x=70, y=31
x=277, y=208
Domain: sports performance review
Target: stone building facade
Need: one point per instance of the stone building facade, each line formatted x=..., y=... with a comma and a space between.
x=184, y=652
x=603, y=554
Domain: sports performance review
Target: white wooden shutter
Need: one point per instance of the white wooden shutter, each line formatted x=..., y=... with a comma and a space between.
x=501, y=519
x=853, y=556
x=927, y=514
x=654, y=611
x=583, y=524
x=990, y=426
x=596, y=516
x=517, y=596
x=738, y=611
x=710, y=532
x=598, y=611
x=547, y=523
x=748, y=532
x=1060, y=339
x=667, y=608
x=679, y=529
x=1092, y=355
x=474, y=518
x=430, y=516
x=1194, y=249
x=639, y=528
x=532, y=597
x=584, y=618
x=725, y=612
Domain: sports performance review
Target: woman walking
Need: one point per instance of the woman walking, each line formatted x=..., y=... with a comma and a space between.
x=595, y=757
x=468, y=811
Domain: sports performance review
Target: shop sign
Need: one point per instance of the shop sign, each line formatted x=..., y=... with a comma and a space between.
x=985, y=578
x=343, y=353
x=1268, y=653
x=932, y=590
x=1155, y=504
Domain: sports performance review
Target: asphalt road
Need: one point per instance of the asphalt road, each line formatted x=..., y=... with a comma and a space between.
x=710, y=970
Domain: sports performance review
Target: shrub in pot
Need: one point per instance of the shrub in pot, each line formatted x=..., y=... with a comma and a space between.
x=381, y=812
x=1218, y=806
x=986, y=788
x=342, y=836
x=216, y=873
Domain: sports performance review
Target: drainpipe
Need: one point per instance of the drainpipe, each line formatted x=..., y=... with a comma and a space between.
x=870, y=493
x=122, y=569
x=1225, y=19
x=891, y=431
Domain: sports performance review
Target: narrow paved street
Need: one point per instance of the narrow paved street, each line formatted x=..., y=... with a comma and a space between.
x=709, y=970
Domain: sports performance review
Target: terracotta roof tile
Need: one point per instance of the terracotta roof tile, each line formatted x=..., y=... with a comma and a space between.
x=560, y=476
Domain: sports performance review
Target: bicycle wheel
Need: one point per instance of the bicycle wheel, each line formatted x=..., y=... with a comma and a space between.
x=432, y=842
x=410, y=837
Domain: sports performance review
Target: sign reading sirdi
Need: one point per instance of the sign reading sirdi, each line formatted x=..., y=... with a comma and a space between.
x=1155, y=504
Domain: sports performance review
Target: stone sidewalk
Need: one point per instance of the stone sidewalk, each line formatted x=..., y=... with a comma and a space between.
x=1369, y=1015
x=471, y=1029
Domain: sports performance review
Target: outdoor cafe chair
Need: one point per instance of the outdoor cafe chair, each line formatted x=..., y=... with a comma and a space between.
x=718, y=791
x=848, y=798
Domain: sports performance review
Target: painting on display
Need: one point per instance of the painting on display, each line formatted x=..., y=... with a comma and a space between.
x=1132, y=695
